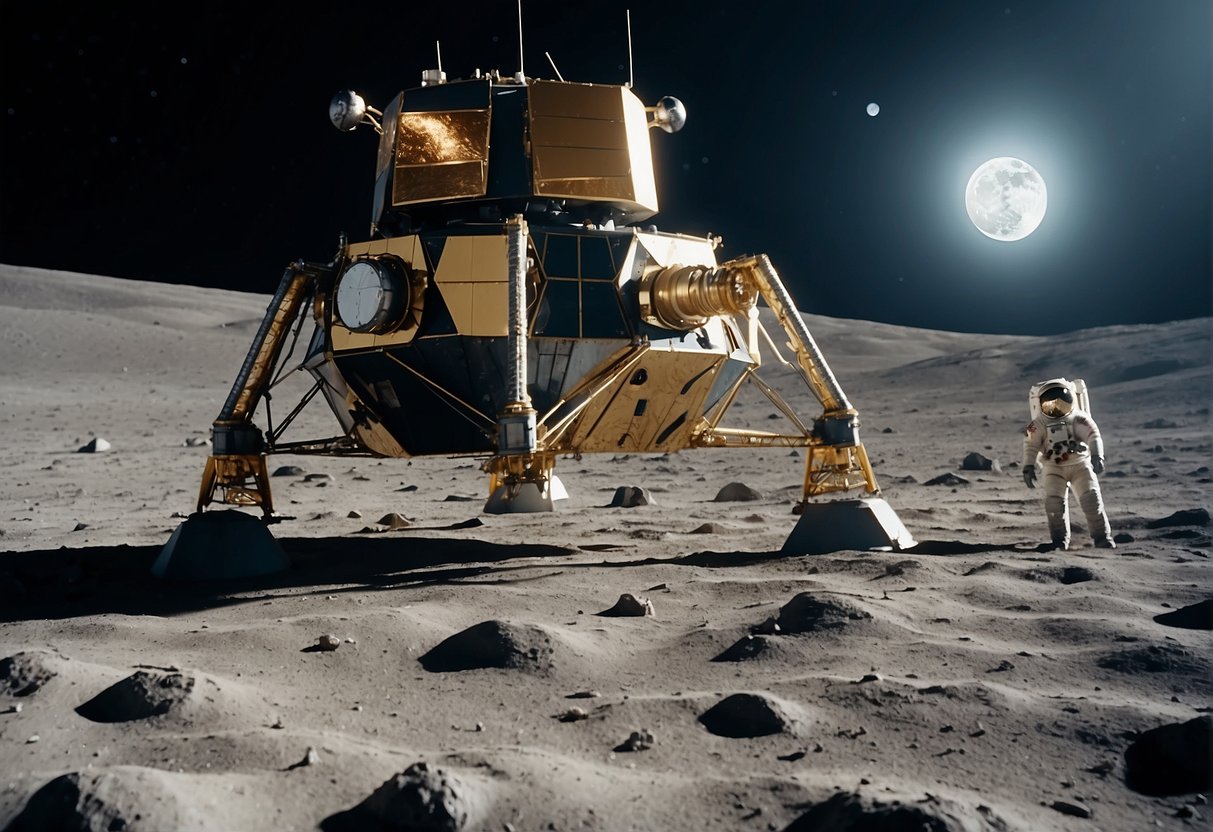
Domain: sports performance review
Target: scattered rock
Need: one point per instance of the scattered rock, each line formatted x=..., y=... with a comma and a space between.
x=1198, y=616
x=750, y=715
x=947, y=479
x=393, y=521
x=327, y=643
x=851, y=812
x=354, y=514
x=22, y=674
x=807, y=614
x=631, y=496
x=573, y=714
x=492, y=644
x=736, y=492
x=96, y=445
x=119, y=798
x=974, y=461
x=196, y=442
x=311, y=758
x=318, y=478
x=1185, y=517
x=749, y=647
x=1072, y=808
x=424, y=798
x=142, y=695
x=1122, y=537
x=584, y=694
x=637, y=741
x=459, y=498
x=1172, y=759
x=629, y=605
x=80, y=527
x=708, y=528
x=1159, y=424
x=769, y=626
x=288, y=471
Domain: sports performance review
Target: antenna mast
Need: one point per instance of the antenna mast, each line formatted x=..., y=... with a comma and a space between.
x=553, y=63
x=438, y=49
x=521, y=70
x=630, y=76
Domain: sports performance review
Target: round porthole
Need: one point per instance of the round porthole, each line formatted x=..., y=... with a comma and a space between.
x=373, y=295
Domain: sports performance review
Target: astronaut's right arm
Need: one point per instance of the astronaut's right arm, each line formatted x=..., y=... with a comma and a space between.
x=1033, y=443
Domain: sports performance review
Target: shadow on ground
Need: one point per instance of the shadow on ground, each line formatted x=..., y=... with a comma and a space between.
x=66, y=583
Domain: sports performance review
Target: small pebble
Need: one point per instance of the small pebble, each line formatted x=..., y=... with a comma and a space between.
x=328, y=642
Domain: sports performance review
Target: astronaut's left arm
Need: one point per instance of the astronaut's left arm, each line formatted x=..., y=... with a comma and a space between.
x=1087, y=431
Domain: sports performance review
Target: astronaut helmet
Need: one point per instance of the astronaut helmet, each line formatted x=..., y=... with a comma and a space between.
x=1057, y=399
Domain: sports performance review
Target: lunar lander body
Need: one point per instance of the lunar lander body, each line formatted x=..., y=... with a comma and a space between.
x=509, y=305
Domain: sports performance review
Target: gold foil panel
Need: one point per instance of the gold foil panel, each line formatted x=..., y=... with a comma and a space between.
x=473, y=277
x=441, y=155
x=591, y=142
x=616, y=421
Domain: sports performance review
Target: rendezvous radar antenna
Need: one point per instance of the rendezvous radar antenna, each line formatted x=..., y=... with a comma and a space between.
x=513, y=305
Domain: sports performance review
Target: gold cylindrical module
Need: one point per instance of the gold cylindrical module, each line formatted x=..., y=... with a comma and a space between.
x=685, y=297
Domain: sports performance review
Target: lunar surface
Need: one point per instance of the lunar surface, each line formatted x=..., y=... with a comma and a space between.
x=422, y=665
x=1006, y=199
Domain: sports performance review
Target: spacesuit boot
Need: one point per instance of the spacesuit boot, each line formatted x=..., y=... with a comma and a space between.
x=1097, y=520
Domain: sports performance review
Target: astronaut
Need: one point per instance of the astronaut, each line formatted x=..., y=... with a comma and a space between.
x=1066, y=440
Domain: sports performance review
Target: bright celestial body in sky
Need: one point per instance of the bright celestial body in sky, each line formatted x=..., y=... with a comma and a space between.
x=873, y=108
x=1006, y=199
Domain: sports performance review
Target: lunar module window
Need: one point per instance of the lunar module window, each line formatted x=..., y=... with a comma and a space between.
x=441, y=155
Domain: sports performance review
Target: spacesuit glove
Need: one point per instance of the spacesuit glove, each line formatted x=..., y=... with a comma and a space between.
x=1029, y=476
x=1097, y=465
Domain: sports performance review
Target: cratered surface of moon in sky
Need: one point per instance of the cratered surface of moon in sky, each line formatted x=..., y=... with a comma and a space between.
x=1006, y=199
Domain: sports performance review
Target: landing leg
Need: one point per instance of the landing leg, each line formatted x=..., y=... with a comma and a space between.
x=522, y=484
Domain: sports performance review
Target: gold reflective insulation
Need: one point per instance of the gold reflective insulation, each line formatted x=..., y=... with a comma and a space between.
x=239, y=479
x=686, y=297
x=473, y=278
x=654, y=416
x=591, y=142
x=279, y=319
x=441, y=155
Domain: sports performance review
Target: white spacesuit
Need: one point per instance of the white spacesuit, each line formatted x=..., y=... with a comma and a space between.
x=1066, y=440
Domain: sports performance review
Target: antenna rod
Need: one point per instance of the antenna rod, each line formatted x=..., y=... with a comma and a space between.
x=438, y=49
x=553, y=63
x=521, y=71
x=630, y=76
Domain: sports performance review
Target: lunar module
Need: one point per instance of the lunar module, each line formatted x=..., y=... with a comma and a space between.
x=509, y=304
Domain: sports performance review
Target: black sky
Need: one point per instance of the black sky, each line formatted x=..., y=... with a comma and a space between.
x=137, y=144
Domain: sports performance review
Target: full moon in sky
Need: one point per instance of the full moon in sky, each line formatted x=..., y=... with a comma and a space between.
x=1006, y=199
x=873, y=108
